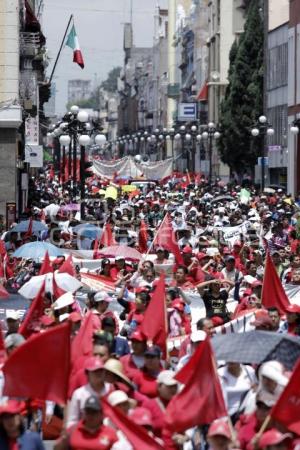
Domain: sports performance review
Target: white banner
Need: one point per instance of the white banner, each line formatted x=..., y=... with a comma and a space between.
x=232, y=234
x=128, y=168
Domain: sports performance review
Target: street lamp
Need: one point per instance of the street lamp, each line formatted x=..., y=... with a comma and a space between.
x=262, y=128
x=210, y=134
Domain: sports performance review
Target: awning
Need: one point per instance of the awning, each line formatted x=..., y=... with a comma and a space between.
x=203, y=93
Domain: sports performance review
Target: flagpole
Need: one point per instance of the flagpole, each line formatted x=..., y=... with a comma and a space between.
x=60, y=49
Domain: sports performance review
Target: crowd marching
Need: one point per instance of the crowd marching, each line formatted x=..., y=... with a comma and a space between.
x=168, y=319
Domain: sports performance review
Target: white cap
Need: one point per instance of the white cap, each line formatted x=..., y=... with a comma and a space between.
x=198, y=336
x=117, y=397
x=102, y=297
x=63, y=301
x=119, y=258
x=274, y=371
x=12, y=314
x=167, y=377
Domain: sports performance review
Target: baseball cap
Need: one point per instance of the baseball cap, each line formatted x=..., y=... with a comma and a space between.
x=159, y=249
x=102, y=297
x=187, y=249
x=167, y=377
x=64, y=317
x=64, y=300
x=93, y=363
x=273, y=437
x=153, y=351
x=11, y=407
x=117, y=397
x=219, y=428
x=229, y=258
x=93, y=403
x=274, y=371
x=12, y=314
x=119, y=258
x=138, y=336
x=198, y=336
x=141, y=416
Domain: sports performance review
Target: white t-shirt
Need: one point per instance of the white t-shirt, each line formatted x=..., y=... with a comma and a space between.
x=235, y=387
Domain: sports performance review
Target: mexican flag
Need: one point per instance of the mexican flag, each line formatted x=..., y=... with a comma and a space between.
x=72, y=42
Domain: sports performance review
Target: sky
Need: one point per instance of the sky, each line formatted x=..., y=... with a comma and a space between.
x=99, y=27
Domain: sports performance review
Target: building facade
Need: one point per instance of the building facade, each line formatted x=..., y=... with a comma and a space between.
x=79, y=90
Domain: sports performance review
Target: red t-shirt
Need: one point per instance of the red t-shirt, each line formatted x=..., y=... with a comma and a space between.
x=145, y=383
x=81, y=439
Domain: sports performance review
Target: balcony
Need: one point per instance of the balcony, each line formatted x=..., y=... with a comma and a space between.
x=30, y=44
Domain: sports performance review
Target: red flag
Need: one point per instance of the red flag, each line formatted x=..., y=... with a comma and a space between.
x=156, y=330
x=143, y=237
x=165, y=237
x=272, y=292
x=46, y=266
x=35, y=312
x=201, y=399
x=287, y=408
x=107, y=238
x=96, y=254
x=51, y=173
x=56, y=291
x=136, y=434
x=29, y=230
x=40, y=367
x=68, y=267
x=81, y=348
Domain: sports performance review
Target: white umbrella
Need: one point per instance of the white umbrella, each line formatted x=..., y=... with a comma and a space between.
x=63, y=280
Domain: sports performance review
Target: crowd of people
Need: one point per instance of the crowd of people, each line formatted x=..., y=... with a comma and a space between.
x=212, y=244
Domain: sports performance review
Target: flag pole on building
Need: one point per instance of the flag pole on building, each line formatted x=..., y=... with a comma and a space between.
x=60, y=49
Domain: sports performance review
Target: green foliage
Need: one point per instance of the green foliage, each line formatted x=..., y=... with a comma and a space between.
x=111, y=83
x=243, y=101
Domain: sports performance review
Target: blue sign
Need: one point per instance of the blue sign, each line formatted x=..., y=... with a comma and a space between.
x=187, y=111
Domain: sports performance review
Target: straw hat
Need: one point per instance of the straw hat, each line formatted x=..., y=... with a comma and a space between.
x=114, y=366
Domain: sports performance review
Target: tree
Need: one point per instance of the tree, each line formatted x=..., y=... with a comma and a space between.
x=243, y=101
x=111, y=83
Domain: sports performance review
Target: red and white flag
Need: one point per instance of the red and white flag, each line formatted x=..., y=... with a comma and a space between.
x=73, y=43
x=98, y=282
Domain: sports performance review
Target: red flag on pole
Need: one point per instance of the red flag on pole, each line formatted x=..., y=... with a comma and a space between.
x=165, y=237
x=273, y=293
x=287, y=408
x=46, y=266
x=143, y=237
x=40, y=367
x=136, y=434
x=68, y=267
x=29, y=230
x=107, y=238
x=201, y=399
x=35, y=312
x=154, y=324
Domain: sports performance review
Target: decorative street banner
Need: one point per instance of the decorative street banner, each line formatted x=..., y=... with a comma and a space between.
x=128, y=168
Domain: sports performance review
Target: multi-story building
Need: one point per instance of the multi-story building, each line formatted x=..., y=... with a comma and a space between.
x=79, y=90
x=23, y=91
x=226, y=23
x=277, y=90
x=294, y=95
